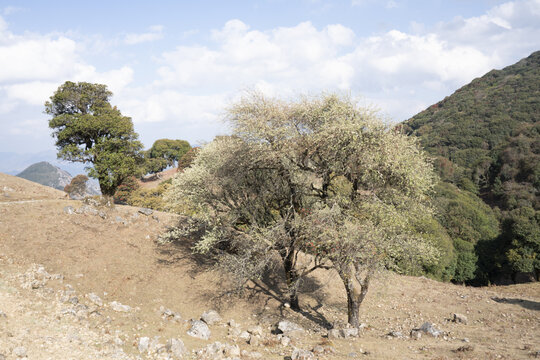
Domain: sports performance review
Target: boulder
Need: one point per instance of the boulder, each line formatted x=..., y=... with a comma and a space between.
x=460, y=318
x=116, y=306
x=144, y=344
x=300, y=354
x=199, y=329
x=176, y=348
x=210, y=317
x=146, y=211
x=429, y=328
x=95, y=299
x=290, y=329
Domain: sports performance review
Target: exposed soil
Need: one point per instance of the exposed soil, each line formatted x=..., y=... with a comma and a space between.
x=114, y=254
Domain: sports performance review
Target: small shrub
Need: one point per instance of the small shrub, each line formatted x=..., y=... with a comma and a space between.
x=125, y=190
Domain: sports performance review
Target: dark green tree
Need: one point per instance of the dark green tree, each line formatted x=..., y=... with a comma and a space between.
x=88, y=129
x=165, y=153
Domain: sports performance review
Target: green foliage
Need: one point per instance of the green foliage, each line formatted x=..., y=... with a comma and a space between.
x=486, y=141
x=150, y=198
x=164, y=153
x=187, y=159
x=88, y=129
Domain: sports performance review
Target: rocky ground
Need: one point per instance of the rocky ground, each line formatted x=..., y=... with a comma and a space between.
x=87, y=281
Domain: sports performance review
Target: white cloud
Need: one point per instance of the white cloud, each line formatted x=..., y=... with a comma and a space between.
x=155, y=33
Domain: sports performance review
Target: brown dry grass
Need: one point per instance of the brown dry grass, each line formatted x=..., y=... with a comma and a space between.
x=104, y=256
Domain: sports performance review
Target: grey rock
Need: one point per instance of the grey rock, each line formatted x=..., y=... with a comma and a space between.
x=210, y=317
x=116, y=306
x=73, y=300
x=231, y=351
x=177, y=348
x=146, y=211
x=253, y=340
x=416, y=334
x=285, y=341
x=234, y=331
x=255, y=330
x=168, y=314
x=460, y=318
x=144, y=344
x=2, y=314
x=334, y=334
x=19, y=351
x=69, y=210
x=290, y=329
x=395, y=334
x=300, y=354
x=244, y=335
x=199, y=329
x=348, y=332
x=95, y=299
x=430, y=329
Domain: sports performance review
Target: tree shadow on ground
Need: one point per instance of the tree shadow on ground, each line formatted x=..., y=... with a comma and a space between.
x=272, y=286
x=181, y=251
x=527, y=304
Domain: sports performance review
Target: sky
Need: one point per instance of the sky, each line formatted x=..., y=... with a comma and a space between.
x=174, y=66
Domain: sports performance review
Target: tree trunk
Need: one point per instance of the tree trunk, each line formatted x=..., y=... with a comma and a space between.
x=292, y=277
x=353, y=308
x=356, y=293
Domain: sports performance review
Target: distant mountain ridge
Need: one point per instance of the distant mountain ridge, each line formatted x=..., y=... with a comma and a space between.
x=47, y=174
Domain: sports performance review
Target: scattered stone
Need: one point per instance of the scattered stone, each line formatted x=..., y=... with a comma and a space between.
x=253, y=340
x=2, y=314
x=318, y=350
x=210, y=317
x=395, y=334
x=251, y=355
x=102, y=215
x=234, y=331
x=146, y=211
x=116, y=306
x=144, y=344
x=232, y=323
x=87, y=210
x=95, y=299
x=244, y=335
x=255, y=330
x=416, y=334
x=199, y=329
x=334, y=334
x=69, y=210
x=460, y=318
x=168, y=314
x=290, y=329
x=464, y=348
x=299, y=354
x=348, y=332
x=118, y=219
x=285, y=341
x=19, y=351
x=176, y=347
x=231, y=351
x=429, y=328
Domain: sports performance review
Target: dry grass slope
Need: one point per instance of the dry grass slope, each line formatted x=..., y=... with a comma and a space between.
x=114, y=254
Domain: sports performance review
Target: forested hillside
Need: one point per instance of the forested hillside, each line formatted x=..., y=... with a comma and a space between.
x=486, y=144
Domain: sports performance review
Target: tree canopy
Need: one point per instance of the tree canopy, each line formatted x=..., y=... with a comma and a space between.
x=165, y=153
x=317, y=176
x=88, y=129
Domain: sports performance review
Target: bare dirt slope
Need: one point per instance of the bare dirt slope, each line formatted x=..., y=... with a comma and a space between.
x=87, y=251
